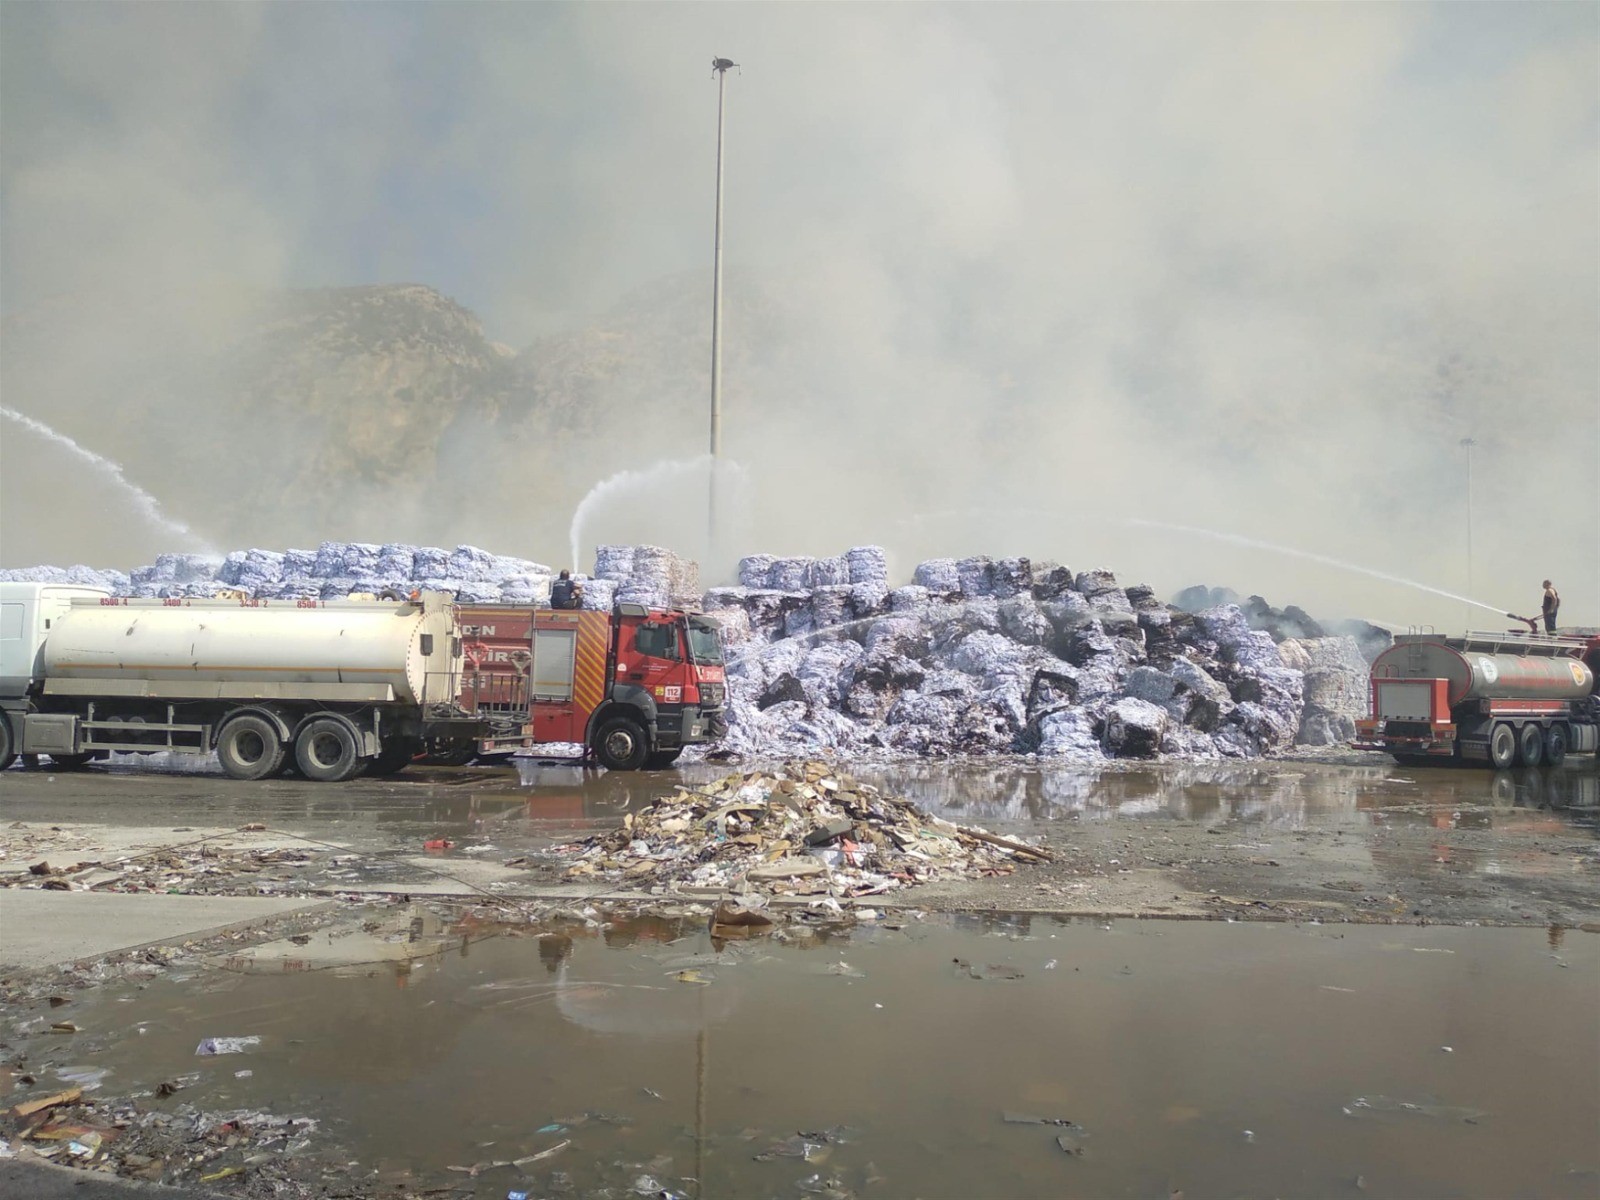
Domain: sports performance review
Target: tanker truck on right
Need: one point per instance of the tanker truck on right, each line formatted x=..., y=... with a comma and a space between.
x=1502, y=700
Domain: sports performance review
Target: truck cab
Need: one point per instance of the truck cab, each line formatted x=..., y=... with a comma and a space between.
x=634, y=686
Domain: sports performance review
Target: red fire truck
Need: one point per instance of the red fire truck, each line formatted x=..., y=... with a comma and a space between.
x=634, y=685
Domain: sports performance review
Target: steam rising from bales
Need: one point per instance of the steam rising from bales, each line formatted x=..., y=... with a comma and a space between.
x=1249, y=269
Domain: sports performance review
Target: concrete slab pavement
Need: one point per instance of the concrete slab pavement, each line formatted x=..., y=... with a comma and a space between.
x=43, y=928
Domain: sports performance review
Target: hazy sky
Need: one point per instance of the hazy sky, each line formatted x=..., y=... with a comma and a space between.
x=1257, y=268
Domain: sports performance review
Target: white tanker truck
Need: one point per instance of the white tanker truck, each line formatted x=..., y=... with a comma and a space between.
x=337, y=688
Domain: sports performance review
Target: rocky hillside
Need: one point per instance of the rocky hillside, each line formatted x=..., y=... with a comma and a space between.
x=293, y=416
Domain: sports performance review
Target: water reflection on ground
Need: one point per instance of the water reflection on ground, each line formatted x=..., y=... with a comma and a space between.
x=1280, y=793
x=918, y=1058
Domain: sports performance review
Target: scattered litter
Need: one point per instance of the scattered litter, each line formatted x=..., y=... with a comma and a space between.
x=804, y=831
x=63, y=1027
x=227, y=1045
x=691, y=976
x=1019, y=1118
x=1448, y=1049
x=845, y=969
x=29, y=1107
x=1249, y=1135
x=731, y=919
x=438, y=845
x=87, y=1078
x=1070, y=1144
x=243, y=1074
x=652, y=1093
x=516, y=1196
x=552, y=1128
x=1432, y=950
x=225, y=1173
x=1389, y=1106
x=542, y=1155
x=1051, y=965
x=986, y=970
x=86, y=1145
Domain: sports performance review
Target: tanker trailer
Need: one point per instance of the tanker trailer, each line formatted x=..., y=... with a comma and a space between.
x=336, y=688
x=1498, y=699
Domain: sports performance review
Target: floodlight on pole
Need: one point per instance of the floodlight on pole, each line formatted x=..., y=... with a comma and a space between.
x=1467, y=444
x=719, y=67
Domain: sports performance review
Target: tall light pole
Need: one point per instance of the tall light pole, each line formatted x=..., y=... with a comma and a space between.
x=719, y=67
x=1467, y=444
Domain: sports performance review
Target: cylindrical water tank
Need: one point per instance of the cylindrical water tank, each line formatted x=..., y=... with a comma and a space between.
x=282, y=642
x=1479, y=674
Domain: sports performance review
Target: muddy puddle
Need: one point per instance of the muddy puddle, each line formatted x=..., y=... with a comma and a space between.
x=1139, y=1059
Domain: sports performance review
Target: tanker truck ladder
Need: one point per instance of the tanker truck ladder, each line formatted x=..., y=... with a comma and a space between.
x=1533, y=645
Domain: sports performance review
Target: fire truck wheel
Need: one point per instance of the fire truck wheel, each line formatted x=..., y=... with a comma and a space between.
x=1555, y=745
x=325, y=751
x=662, y=759
x=8, y=747
x=1502, y=746
x=621, y=744
x=248, y=748
x=1530, y=745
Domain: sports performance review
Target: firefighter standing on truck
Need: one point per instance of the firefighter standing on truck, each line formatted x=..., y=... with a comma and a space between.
x=1552, y=605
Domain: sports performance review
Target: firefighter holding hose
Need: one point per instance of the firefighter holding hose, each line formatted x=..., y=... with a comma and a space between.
x=1551, y=606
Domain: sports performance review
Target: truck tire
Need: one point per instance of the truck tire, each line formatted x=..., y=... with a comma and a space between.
x=1530, y=745
x=249, y=748
x=1555, y=745
x=325, y=750
x=1502, y=746
x=621, y=744
x=8, y=746
x=662, y=759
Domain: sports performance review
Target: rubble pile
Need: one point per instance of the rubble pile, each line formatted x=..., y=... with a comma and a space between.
x=184, y=1146
x=25, y=862
x=809, y=830
x=997, y=656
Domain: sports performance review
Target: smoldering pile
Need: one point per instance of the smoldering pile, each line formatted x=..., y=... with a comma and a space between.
x=976, y=656
x=1010, y=656
x=806, y=830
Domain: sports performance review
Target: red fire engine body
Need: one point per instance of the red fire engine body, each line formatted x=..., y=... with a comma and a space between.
x=634, y=685
x=1498, y=699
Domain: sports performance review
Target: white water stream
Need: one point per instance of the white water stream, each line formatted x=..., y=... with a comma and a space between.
x=144, y=503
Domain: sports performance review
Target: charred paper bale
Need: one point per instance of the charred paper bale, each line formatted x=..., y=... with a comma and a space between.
x=1022, y=620
x=1012, y=577
x=939, y=576
x=790, y=574
x=786, y=688
x=1070, y=735
x=1134, y=728
x=975, y=576
x=1335, y=688
x=868, y=564
x=869, y=599
x=913, y=598
x=1051, y=581
x=828, y=572
x=1206, y=701
x=755, y=570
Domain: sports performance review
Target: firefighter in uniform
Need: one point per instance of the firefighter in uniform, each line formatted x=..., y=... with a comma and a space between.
x=566, y=592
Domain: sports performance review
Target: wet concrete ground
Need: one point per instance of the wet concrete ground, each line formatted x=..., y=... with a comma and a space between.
x=1279, y=840
x=1204, y=1058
